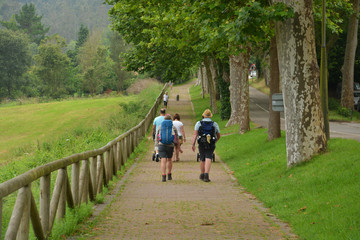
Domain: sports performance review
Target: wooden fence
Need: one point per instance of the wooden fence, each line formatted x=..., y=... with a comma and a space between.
x=90, y=171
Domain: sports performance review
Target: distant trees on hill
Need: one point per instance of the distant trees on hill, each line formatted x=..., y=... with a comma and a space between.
x=65, y=16
x=33, y=64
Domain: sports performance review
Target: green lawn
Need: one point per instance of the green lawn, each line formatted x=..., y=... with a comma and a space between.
x=319, y=199
x=27, y=124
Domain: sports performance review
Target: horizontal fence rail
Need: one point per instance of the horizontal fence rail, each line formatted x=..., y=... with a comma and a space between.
x=90, y=172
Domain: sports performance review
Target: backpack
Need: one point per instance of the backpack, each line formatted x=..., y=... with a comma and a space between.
x=206, y=134
x=166, y=136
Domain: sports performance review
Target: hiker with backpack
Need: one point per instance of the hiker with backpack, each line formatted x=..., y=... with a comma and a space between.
x=165, y=137
x=156, y=124
x=206, y=133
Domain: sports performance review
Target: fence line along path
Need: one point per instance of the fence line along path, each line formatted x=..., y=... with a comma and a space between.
x=90, y=171
x=184, y=208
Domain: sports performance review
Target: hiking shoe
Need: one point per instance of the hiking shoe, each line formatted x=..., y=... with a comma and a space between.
x=163, y=178
x=169, y=176
x=202, y=177
x=206, y=177
x=157, y=157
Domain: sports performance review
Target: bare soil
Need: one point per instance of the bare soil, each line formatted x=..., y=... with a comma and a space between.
x=186, y=207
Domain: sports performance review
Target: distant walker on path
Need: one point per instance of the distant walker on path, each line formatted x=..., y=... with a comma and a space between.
x=166, y=99
x=207, y=133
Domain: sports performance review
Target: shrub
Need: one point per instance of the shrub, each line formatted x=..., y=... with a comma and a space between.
x=334, y=104
x=346, y=112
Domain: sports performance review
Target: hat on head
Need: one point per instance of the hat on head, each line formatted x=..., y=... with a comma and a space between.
x=167, y=117
x=207, y=114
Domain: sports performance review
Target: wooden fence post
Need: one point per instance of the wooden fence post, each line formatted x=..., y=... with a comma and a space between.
x=84, y=184
x=118, y=158
x=45, y=202
x=69, y=195
x=56, y=197
x=62, y=201
x=75, y=174
x=23, y=232
x=111, y=163
x=124, y=151
x=114, y=162
x=17, y=213
x=35, y=220
x=128, y=145
x=93, y=172
x=99, y=174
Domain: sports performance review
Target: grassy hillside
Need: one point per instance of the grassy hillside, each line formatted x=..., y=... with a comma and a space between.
x=319, y=199
x=25, y=127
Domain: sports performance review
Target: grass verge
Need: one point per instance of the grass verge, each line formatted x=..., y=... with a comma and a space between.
x=319, y=198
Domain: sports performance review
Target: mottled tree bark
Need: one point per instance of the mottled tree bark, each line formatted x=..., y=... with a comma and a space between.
x=274, y=85
x=214, y=74
x=347, y=90
x=239, y=91
x=211, y=85
x=299, y=73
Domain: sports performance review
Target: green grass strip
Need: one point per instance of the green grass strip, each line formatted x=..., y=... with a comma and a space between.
x=319, y=199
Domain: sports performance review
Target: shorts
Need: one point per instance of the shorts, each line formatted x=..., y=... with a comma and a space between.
x=181, y=141
x=206, y=153
x=165, y=151
x=165, y=103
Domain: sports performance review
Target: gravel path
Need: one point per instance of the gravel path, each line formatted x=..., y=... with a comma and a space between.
x=185, y=208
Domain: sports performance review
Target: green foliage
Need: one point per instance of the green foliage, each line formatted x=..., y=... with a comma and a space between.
x=70, y=223
x=28, y=21
x=346, y=112
x=52, y=66
x=14, y=60
x=83, y=35
x=170, y=38
x=117, y=48
x=334, y=104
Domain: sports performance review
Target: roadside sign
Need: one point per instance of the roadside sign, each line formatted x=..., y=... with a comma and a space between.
x=277, y=102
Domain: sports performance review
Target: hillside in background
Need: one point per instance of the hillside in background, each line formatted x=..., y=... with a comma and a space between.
x=63, y=16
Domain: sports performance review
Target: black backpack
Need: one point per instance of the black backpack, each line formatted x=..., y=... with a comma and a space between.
x=206, y=134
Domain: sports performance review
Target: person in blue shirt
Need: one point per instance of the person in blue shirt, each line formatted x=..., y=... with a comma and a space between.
x=206, y=142
x=157, y=122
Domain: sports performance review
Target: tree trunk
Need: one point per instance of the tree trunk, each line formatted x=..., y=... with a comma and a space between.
x=274, y=80
x=299, y=73
x=347, y=90
x=239, y=91
x=266, y=69
x=198, y=80
x=211, y=85
x=204, y=85
x=214, y=74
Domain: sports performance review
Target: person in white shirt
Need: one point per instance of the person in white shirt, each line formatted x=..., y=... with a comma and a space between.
x=182, y=138
x=166, y=98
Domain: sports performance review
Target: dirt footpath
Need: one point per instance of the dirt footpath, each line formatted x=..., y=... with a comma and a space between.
x=185, y=208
